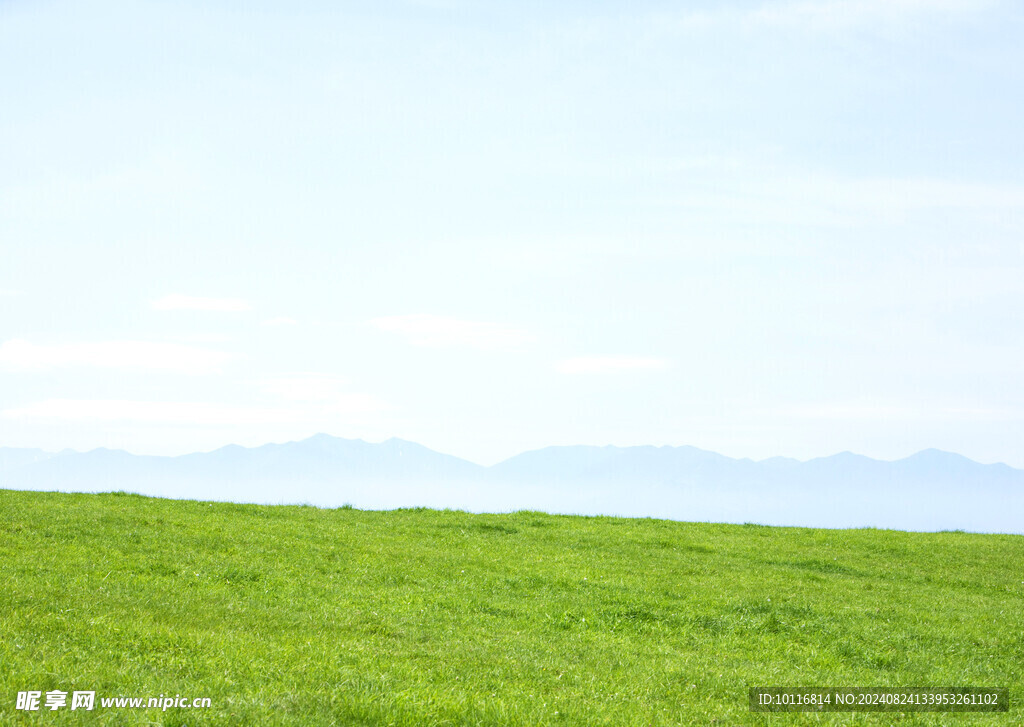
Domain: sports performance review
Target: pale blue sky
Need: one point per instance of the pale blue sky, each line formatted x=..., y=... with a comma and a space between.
x=762, y=228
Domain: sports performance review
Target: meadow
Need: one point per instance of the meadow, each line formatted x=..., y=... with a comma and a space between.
x=285, y=615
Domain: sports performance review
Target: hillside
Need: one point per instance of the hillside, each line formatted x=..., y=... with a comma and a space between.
x=301, y=616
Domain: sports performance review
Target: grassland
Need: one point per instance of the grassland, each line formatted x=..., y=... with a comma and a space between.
x=300, y=616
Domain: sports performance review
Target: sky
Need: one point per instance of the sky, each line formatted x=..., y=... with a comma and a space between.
x=761, y=228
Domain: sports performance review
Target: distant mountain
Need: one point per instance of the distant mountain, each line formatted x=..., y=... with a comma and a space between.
x=321, y=470
x=931, y=490
x=11, y=458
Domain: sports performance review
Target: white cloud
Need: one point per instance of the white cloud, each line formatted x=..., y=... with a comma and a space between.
x=279, y=321
x=815, y=17
x=856, y=412
x=307, y=387
x=781, y=195
x=429, y=330
x=610, y=364
x=191, y=413
x=900, y=195
x=832, y=14
x=9, y=293
x=200, y=338
x=188, y=302
x=146, y=411
x=22, y=355
x=897, y=412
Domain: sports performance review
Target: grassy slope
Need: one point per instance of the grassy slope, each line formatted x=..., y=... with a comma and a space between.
x=299, y=616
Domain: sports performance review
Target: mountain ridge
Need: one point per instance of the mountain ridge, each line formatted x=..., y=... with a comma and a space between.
x=322, y=436
x=927, y=490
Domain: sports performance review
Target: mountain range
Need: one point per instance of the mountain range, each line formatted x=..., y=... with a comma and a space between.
x=931, y=490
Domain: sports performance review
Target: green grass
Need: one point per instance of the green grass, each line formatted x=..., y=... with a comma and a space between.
x=301, y=616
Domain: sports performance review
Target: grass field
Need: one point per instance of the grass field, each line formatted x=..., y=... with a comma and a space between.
x=300, y=616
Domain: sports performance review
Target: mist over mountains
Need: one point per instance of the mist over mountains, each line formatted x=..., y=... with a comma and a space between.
x=931, y=490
